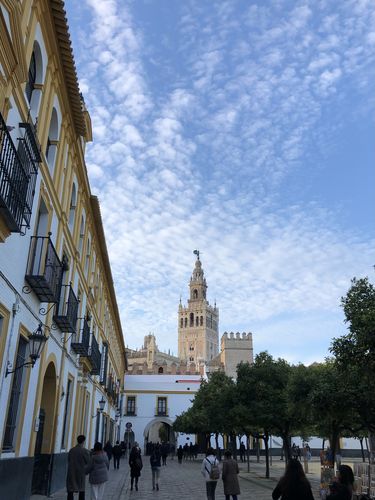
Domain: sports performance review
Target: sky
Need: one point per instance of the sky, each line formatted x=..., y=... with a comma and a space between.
x=244, y=129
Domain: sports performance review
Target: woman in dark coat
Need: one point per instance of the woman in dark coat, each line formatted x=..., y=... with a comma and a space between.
x=342, y=489
x=293, y=485
x=180, y=454
x=135, y=463
x=230, y=476
x=109, y=450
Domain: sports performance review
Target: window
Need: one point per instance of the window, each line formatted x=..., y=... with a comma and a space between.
x=52, y=140
x=72, y=207
x=32, y=77
x=191, y=359
x=195, y=294
x=130, y=405
x=191, y=319
x=201, y=322
x=68, y=405
x=81, y=236
x=182, y=323
x=191, y=347
x=15, y=397
x=162, y=406
x=185, y=322
x=197, y=321
x=104, y=364
x=161, y=370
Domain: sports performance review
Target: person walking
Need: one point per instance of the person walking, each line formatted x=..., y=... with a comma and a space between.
x=135, y=463
x=155, y=466
x=293, y=485
x=97, y=470
x=109, y=450
x=230, y=472
x=211, y=472
x=342, y=487
x=78, y=459
x=117, y=453
x=164, y=452
x=180, y=454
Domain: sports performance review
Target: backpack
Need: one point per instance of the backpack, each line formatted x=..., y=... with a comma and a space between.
x=214, y=473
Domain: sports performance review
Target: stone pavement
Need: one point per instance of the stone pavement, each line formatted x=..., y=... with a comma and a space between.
x=185, y=482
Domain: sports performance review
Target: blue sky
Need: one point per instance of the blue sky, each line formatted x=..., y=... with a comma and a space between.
x=246, y=130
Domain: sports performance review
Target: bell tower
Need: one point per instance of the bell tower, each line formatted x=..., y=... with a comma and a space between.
x=198, y=322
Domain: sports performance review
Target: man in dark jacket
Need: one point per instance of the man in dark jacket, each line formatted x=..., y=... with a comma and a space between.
x=117, y=452
x=78, y=458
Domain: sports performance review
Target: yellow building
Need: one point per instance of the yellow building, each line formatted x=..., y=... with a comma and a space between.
x=55, y=276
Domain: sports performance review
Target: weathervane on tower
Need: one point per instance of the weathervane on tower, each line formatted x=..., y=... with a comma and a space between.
x=196, y=252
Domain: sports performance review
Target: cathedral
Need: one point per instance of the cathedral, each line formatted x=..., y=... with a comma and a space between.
x=199, y=350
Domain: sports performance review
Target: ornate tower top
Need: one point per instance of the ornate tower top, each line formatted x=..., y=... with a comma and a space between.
x=198, y=285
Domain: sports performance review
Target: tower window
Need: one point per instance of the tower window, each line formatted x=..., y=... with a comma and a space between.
x=191, y=319
x=161, y=370
x=191, y=358
x=185, y=322
x=201, y=322
x=181, y=322
x=195, y=294
x=197, y=321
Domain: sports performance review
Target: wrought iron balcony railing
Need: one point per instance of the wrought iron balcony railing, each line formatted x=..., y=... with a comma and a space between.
x=94, y=356
x=18, y=172
x=161, y=413
x=81, y=341
x=43, y=272
x=66, y=311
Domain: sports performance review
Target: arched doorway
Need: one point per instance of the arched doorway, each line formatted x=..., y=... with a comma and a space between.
x=159, y=430
x=44, y=438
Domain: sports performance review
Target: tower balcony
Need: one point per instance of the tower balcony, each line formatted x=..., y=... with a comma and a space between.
x=66, y=313
x=43, y=272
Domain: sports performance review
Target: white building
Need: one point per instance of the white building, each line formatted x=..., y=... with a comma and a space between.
x=153, y=401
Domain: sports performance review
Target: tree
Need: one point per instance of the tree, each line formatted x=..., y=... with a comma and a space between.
x=355, y=352
x=274, y=393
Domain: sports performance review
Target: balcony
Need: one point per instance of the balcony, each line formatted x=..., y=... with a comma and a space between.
x=66, y=312
x=43, y=273
x=131, y=412
x=80, y=343
x=18, y=173
x=94, y=356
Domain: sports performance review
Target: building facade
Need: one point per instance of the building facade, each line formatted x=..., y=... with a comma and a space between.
x=198, y=322
x=55, y=276
x=154, y=401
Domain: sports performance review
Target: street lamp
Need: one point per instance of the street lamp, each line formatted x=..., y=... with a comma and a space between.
x=37, y=341
x=101, y=407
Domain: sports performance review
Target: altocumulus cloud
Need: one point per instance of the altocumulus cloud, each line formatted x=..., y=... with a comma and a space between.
x=200, y=159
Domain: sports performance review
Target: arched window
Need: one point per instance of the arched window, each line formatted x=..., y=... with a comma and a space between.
x=197, y=321
x=181, y=323
x=88, y=250
x=34, y=82
x=81, y=235
x=161, y=370
x=52, y=140
x=185, y=322
x=72, y=207
x=201, y=322
x=195, y=294
x=191, y=319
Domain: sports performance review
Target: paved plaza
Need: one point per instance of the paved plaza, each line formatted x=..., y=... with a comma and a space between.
x=185, y=482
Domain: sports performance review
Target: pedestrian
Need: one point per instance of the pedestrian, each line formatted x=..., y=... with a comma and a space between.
x=78, y=459
x=242, y=452
x=180, y=454
x=342, y=487
x=109, y=450
x=293, y=485
x=230, y=472
x=211, y=472
x=117, y=453
x=164, y=452
x=98, y=471
x=135, y=463
x=155, y=466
